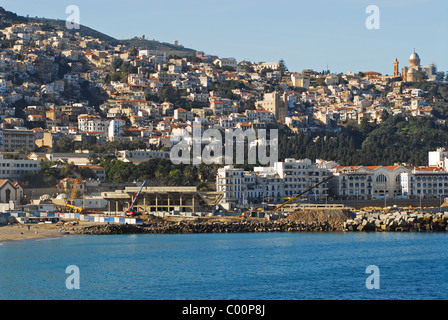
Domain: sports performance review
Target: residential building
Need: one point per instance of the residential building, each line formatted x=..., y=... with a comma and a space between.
x=17, y=168
x=14, y=140
x=425, y=182
x=276, y=104
x=91, y=123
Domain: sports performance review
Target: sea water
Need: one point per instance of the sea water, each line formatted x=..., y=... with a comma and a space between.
x=242, y=266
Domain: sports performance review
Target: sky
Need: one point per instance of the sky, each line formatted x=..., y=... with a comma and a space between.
x=305, y=34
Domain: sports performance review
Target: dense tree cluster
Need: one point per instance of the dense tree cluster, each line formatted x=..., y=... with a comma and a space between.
x=396, y=140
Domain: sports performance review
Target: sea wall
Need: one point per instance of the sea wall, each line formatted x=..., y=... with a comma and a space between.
x=170, y=227
x=398, y=221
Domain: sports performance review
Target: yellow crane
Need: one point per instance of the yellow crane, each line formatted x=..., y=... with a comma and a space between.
x=73, y=197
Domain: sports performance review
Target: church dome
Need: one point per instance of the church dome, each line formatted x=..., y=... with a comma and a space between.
x=414, y=56
x=414, y=60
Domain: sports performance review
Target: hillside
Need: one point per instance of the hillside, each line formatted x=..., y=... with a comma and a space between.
x=8, y=18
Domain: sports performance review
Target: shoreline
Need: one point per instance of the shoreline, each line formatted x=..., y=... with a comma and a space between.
x=303, y=222
x=19, y=232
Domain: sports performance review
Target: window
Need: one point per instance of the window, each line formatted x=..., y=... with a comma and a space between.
x=381, y=178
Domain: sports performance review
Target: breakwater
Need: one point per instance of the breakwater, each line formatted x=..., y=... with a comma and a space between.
x=398, y=221
x=171, y=227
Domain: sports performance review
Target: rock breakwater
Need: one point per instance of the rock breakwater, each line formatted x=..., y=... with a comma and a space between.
x=170, y=227
x=398, y=221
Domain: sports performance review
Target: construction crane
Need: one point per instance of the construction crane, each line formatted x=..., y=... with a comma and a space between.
x=130, y=210
x=75, y=208
x=297, y=196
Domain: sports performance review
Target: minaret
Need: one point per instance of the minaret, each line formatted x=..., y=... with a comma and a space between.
x=396, y=72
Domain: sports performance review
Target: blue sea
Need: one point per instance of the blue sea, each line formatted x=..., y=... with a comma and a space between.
x=246, y=266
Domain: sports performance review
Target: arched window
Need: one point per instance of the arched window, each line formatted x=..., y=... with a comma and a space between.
x=381, y=178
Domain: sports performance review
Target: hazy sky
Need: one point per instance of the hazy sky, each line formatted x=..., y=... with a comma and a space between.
x=306, y=34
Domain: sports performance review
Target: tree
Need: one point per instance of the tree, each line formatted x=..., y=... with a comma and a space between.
x=64, y=144
x=133, y=52
x=282, y=66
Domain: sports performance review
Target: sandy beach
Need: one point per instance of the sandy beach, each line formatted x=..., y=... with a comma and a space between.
x=17, y=231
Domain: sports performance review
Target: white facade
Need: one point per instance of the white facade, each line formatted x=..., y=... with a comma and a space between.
x=12, y=168
x=114, y=128
x=271, y=184
x=90, y=123
x=437, y=158
x=425, y=182
x=138, y=156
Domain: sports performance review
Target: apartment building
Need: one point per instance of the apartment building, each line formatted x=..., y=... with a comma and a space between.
x=16, y=168
x=425, y=182
x=271, y=184
x=13, y=140
x=91, y=123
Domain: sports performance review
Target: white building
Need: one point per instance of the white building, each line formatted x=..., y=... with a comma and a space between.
x=138, y=156
x=91, y=123
x=114, y=128
x=425, y=182
x=16, y=168
x=438, y=158
x=368, y=182
x=271, y=184
x=226, y=62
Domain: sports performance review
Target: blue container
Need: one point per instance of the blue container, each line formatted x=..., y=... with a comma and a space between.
x=7, y=214
x=106, y=219
x=76, y=215
x=37, y=214
x=122, y=220
x=91, y=219
x=139, y=221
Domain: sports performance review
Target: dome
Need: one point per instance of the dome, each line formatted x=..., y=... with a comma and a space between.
x=414, y=56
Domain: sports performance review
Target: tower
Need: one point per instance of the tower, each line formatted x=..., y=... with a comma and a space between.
x=396, y=72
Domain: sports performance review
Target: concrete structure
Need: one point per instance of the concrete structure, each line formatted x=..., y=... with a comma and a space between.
x=425, y=182
x=275, y=103
x=16, y=139
x=16, y=168
x=160, y=199
x=271, y=184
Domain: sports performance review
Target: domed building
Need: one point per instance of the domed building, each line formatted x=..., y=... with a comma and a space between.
x=414, y=71
x=414, y=60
